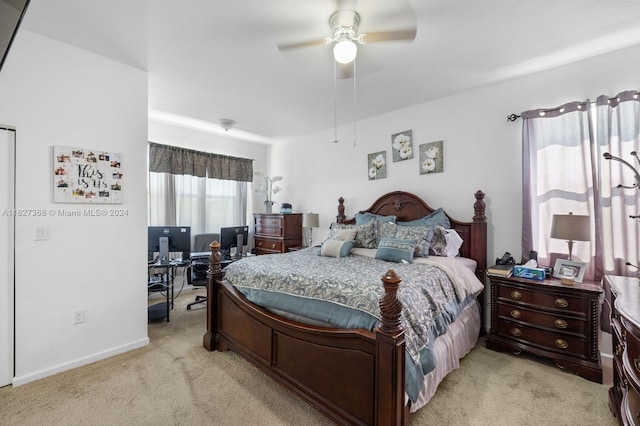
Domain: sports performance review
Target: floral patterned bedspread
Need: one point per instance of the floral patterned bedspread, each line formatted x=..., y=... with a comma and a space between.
x=428, y=294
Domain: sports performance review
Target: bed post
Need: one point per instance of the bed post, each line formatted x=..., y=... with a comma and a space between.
x=479, y=249
x=340, y=217
x=213, y=273
x=390, y=348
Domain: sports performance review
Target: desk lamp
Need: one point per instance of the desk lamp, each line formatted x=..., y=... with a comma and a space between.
x=310, y=220
x=570, y=227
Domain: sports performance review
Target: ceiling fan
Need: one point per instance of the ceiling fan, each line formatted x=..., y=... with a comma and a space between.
x=344, y=25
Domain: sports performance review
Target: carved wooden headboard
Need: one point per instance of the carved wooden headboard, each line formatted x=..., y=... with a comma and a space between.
x=408, y=207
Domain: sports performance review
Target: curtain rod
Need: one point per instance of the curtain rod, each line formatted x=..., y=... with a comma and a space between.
x=512, y=117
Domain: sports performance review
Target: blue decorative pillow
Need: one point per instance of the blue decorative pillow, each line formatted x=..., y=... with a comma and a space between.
x=396, y=250
x=418, y=233
x=362, y=218
x=336, y=248
x=437, y=218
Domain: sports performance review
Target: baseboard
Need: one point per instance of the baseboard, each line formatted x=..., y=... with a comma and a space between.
x=21, y=380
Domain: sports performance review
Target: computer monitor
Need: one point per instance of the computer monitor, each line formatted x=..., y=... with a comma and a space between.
x=169, y=239
x=233, y=236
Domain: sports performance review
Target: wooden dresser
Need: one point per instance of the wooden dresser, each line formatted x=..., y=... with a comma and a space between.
x=548, y=319
x=624, y=395
x=277, y=232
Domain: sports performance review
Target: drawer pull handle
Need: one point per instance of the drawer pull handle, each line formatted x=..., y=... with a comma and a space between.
x=516, y=332
x=516, y=295
x=561, y=303
x=562, y=344
x=273, y=246
x=516, y=314
x=260, y=244
x=636, y=363
x=560, y=323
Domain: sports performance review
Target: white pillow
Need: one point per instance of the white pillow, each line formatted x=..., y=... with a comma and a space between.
x=336, y=248
x=454, y=242
x=344, y=234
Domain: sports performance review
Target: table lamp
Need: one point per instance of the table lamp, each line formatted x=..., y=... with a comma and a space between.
x=310, y=220
x=570, y=227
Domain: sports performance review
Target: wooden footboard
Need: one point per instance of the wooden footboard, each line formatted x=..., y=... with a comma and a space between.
x=352, y=376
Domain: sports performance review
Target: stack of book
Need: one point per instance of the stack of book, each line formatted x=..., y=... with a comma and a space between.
x=500, y=270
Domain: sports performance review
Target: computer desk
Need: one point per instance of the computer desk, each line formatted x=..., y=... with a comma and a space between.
x=160, y=310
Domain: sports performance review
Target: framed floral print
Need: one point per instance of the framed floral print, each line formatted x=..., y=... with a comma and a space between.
x=431, y=158
x=377, y=165
x=402, y=146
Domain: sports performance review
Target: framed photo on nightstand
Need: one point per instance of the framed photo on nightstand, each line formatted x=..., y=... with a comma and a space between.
x=569, y=269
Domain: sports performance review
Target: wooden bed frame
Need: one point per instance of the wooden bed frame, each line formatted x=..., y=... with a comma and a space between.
x=353, y=376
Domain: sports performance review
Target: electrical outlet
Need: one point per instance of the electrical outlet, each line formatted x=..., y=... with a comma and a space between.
x=79, y=316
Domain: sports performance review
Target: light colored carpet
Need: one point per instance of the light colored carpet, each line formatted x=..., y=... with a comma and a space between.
x=175, y=381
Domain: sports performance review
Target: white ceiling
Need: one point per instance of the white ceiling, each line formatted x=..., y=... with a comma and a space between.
x=213, y=59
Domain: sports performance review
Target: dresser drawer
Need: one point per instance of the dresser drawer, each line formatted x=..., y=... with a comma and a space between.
x=268, y=231
x=556, y=342
x=551, y=321
x=543, y=300
x=264, y=245
x=270, y=221
x=631, y=410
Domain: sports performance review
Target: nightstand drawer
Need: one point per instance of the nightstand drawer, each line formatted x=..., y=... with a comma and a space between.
x=543, y=300
x=550, y=321
x=556, y=342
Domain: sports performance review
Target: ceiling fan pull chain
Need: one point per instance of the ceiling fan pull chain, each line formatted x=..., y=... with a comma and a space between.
x=335, y=104
x=354, y=104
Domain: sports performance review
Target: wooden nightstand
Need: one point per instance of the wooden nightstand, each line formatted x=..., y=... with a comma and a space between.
x=548, y=319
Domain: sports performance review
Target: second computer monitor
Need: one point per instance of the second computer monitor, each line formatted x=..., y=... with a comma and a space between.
x=233, y=236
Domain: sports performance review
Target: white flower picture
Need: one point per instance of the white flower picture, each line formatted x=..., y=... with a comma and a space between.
x=377, y=165
x=402, y=145
x=431, y=158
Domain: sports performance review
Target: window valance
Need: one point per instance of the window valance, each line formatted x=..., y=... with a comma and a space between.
x=183, y=161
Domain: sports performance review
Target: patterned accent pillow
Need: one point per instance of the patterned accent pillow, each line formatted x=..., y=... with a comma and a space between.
x=386, y=230
x=366, y=236
x=438, y=246
x=345, y=234
x=336, y=248
x=396, y=250
x=418, y=233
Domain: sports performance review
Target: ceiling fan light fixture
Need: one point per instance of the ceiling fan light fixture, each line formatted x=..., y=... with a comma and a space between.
x=345, y=51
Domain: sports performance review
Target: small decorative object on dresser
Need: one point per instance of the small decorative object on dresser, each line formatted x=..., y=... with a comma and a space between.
x=548, y=319
x=624, y=395
x=276, y=232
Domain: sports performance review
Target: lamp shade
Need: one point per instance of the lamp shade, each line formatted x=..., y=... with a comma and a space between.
x=570, y=227
x=310, y=220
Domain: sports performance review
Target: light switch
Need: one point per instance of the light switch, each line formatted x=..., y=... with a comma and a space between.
x=41, y=233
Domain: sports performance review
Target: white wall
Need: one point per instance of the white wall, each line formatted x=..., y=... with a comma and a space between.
x=481, y=149
x=55, y=94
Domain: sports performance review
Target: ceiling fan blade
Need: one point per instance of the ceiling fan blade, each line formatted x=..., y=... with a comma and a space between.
x=300, y=44
x=375, y=37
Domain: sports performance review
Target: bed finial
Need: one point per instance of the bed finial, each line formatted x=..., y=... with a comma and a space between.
x=390, y=305
x=479, y=207
x=341, y=217
x=214, y=259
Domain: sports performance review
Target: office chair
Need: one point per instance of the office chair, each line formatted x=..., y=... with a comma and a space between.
x=199, y=268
